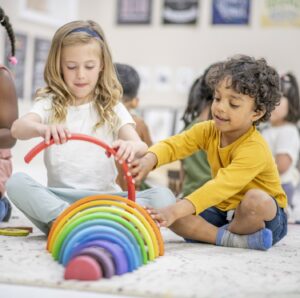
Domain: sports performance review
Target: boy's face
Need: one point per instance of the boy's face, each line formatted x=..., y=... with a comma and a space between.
x=233, y=112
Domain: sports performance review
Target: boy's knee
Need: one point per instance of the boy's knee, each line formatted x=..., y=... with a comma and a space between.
x=255, y=201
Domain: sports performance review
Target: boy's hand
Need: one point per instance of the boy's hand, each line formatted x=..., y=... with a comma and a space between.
x=168, y=215
x=59, y=133
x=140, y=168
x=163, y=217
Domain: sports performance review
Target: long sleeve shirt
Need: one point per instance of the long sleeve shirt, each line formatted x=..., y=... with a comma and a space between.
x=245, y=164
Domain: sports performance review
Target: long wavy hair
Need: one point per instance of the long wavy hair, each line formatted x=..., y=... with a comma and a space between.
x=108, y=90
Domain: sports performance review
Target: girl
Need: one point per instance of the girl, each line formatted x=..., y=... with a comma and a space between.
x=283, y=135
x=8, y=113
x=82, y=95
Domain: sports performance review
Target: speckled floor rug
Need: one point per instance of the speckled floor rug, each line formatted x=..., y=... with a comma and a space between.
x=186, y=270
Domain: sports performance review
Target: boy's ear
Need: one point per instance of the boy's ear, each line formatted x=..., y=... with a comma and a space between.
x=258, y=114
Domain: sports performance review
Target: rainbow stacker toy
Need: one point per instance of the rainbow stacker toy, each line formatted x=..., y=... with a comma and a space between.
x=102, y=235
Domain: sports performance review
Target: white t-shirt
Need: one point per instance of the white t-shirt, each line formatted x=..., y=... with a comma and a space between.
x=80, y=164
x=285, y=139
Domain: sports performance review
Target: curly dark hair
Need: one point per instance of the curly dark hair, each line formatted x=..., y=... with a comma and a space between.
x=200, y=96
x=290, y=90
x=252, y=77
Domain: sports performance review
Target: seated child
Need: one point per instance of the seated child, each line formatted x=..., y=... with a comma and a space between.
x=244, y=180
x=283, y=136
x=130, y=82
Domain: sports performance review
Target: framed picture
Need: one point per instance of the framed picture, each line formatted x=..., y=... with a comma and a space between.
x=280, y=13
x=160, y=121
x=134, y=11
x=230, y=12
x=41, y=50
x=180, y=12
x=19, y=69
x=50, y=12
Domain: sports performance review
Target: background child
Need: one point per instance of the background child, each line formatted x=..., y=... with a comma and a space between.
x=8, y=113
x=82, y=95
x=245, y=177
x=283, y=135
x=130, y=82
x=195, y=169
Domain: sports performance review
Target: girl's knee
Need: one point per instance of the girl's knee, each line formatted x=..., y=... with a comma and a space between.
x=165, y=196
x=15, y=180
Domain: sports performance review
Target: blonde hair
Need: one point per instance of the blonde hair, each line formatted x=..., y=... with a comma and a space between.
x=108, y=90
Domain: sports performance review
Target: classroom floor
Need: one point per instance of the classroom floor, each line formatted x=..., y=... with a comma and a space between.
x=186, y=270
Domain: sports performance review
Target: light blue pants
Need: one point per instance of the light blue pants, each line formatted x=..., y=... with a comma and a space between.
x=43, y=204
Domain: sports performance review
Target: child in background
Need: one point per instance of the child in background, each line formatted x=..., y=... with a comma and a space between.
x=82, y=96
x=8, y=114
x=130, y=82
x=245, y=177
x=283, y=135
x=195, y=169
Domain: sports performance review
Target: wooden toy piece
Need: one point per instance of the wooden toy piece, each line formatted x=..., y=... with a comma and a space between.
x=15, y=231
x=104, y=259
x=83, y=268
x=116, y=251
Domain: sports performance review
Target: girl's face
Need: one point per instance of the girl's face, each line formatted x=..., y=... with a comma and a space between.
x=81, y=66
x=278, y=115
x=233, y=113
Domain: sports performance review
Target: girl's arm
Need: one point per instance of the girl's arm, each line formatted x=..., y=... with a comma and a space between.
x=129, y=144
x=9, y=109
x=31, y=126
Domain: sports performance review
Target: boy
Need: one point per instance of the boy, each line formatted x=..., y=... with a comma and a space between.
x=245, y=179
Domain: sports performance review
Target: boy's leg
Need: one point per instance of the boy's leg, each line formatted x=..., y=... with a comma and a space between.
x=248, y=227
x=251, y=214
x=205, y=230
x=36, y=201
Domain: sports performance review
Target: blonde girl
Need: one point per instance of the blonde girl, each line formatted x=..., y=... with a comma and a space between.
x=81, y=96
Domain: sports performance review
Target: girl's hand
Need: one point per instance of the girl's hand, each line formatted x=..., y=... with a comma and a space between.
x=60, y=133
x=126, y=150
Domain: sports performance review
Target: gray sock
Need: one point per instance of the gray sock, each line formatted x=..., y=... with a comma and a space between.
x=261, y=240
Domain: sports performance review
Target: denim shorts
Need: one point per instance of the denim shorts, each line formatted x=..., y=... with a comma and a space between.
x=278, y=225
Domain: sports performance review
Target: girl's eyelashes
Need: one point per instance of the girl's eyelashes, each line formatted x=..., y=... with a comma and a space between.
x=89, y=67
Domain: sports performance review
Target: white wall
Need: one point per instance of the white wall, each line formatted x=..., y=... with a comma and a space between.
x=157, y=45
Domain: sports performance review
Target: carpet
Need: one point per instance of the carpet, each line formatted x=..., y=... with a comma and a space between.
x=186, y=270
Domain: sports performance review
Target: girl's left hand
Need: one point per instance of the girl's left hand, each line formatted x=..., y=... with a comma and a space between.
x=126, y=150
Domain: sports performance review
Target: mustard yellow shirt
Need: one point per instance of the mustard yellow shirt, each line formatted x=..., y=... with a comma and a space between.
x=245, y=164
